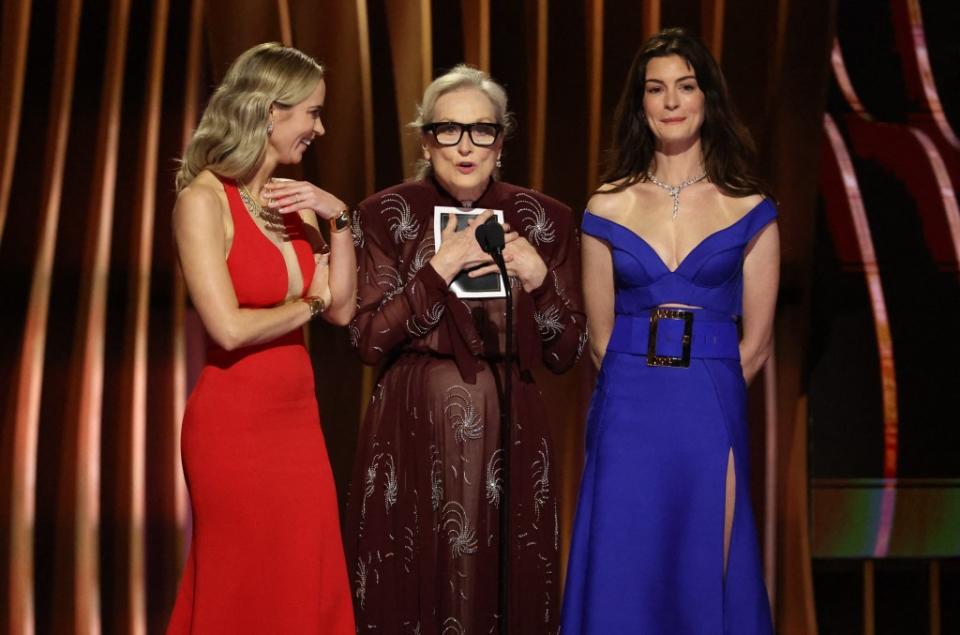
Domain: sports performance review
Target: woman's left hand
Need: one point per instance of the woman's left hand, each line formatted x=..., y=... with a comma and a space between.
x=288, y=197
x=523, y=262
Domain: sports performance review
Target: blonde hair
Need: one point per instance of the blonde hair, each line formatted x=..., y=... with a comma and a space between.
x=459, y=77
x=231, y=138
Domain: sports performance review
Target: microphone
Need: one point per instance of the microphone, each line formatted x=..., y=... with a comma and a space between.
x=490, y=236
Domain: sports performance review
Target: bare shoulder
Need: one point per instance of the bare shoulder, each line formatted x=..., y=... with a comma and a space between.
x=204, y=195
x=609, y=202
x=735, y=208
x=201, y=203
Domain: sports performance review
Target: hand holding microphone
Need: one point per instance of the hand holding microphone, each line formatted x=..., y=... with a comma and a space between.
x=460, y=250
x=491, y=239
x=512, y=255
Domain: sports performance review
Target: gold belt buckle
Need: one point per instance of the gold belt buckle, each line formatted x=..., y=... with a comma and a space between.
x=666, y=360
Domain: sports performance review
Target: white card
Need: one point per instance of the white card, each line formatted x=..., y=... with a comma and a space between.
x=487, y=286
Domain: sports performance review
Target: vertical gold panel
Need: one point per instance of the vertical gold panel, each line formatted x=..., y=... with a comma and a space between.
x=712, y=21
x=594, y=90
x=476, y=33
x=13, y=63
x=651, y=17
x=26, y=419
x=409, y=25
x=131, y=477
x=366, y=90
x=283, y=17
x=366, y=374
x=795, y=575
x=191, y=116
x=79, y=544
x=231, y=30
x=537, y=72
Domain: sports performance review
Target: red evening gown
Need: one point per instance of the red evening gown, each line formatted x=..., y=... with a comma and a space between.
x=266, y=554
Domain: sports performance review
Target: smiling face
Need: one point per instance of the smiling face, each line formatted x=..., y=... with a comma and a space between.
x=463, y=169
x=294, y=128
x=673, y=103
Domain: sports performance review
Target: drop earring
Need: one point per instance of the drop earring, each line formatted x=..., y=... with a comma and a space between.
x=499, y=163
x=270, y=128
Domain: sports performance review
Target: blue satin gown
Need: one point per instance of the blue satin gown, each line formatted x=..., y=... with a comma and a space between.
x=647, y=551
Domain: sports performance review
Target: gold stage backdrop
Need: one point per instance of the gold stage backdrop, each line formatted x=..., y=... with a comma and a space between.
x=97, y=99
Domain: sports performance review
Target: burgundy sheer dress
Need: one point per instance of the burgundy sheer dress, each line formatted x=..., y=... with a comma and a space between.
x=423, y=522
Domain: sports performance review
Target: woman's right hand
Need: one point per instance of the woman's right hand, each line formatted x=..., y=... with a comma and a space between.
x=320, y=284
x=460, y=250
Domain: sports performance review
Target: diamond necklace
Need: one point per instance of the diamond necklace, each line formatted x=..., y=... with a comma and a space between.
x=272, y=219
x=674, y=190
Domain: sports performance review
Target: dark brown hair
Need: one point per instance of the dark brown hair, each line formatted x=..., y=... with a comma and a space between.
x=728, y=149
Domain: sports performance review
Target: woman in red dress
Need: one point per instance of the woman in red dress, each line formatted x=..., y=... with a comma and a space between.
x=266, y=554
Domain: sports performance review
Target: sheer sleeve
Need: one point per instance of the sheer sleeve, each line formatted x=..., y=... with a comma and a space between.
x=391, y=310
x=559, y=313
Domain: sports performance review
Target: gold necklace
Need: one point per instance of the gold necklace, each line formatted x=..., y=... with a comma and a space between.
x=272, y=219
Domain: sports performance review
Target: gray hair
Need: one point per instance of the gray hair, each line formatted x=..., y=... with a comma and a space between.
x=459, y=77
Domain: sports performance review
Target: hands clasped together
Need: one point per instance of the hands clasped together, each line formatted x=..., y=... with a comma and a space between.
x=459, y=250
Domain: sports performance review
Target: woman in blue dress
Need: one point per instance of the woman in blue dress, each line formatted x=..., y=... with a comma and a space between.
x=680, y=267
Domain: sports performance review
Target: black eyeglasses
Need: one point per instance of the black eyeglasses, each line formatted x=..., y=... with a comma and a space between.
x=449, y=133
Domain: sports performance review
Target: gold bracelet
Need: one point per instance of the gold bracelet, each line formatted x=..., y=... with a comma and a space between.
x=341, y=222
x=315, y=304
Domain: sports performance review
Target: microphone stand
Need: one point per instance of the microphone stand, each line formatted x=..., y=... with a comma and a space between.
x=506, y=422
x=490, y=237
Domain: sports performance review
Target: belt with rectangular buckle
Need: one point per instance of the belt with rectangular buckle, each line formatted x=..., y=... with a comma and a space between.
x=683, y=361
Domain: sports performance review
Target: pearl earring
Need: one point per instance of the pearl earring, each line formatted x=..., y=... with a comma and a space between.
x=499, y=163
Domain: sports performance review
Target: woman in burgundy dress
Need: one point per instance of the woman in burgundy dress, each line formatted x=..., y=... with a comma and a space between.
x=423, y=523
x=266, y=554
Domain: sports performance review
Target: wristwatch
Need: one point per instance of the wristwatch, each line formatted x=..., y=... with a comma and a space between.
x=341, y=222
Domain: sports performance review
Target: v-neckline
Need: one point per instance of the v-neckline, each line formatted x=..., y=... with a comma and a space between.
x=275, y=248
x=690, y=253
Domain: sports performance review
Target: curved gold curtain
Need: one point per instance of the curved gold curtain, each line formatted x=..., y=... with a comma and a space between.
x=99, y=347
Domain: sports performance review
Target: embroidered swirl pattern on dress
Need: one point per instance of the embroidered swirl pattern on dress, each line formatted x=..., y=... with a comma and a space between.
x=494, y=480
x=420, y=326
x=361, y=581
x=390, y=486
x=540, y=228
x=541, y=478
x=436, y=477
x=582, y=341
x=460, y=535
x=466, y=422
x=425, y=252
x=548, y=322
x=390, y=280
x=356, y=231
x=452, y=626
x=403, y=226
